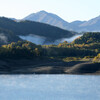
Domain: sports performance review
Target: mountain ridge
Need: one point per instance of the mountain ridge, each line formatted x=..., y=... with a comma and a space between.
x=47, y=18
x=53, y=19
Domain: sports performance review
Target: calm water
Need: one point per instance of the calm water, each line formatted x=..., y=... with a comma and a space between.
x=49, y=87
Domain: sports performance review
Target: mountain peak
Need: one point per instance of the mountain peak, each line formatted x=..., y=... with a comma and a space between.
x=42, y=11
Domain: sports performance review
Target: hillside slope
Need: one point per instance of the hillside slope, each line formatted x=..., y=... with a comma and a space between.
x=35, y=28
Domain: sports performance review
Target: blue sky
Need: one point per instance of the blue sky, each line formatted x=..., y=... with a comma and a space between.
x=69, y=10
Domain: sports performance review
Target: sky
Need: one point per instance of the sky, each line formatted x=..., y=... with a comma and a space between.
x=69, y=10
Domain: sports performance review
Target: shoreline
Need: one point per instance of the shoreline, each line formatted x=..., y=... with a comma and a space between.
x=27, y=66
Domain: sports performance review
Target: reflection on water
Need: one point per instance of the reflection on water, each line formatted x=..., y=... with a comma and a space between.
x=49, y=87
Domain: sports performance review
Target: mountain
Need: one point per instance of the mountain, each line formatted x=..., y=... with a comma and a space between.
x=26, y=28
x=91, y=22
x=76, y=23
x=48, y=18
x=52, y=19
x=91, y=25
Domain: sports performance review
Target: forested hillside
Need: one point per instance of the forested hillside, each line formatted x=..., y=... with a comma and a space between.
x=74, y=49
x=36, y=28
x=89, y=37
x=87, y=45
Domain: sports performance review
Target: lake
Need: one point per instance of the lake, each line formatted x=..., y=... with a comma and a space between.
x=49, y=87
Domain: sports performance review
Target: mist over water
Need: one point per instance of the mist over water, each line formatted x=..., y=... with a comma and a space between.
x=39, y=40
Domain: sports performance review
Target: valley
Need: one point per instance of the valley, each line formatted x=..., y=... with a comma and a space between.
x=50, y=50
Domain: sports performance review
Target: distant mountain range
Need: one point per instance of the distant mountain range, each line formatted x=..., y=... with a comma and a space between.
x=48, y=18
x=52, y=19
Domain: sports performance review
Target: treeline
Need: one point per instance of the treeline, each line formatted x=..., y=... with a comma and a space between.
x=89, y=37
x=91, y=47
x=25, y=49
x=21, y=49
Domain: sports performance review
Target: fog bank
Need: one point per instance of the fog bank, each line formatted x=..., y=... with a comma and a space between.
x=42, y=40
x=69, y=40
x=34, y=39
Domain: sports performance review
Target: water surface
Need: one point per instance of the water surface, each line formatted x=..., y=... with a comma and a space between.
x=49, y=87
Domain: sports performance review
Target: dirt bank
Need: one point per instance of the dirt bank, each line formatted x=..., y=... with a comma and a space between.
x=27, y=66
